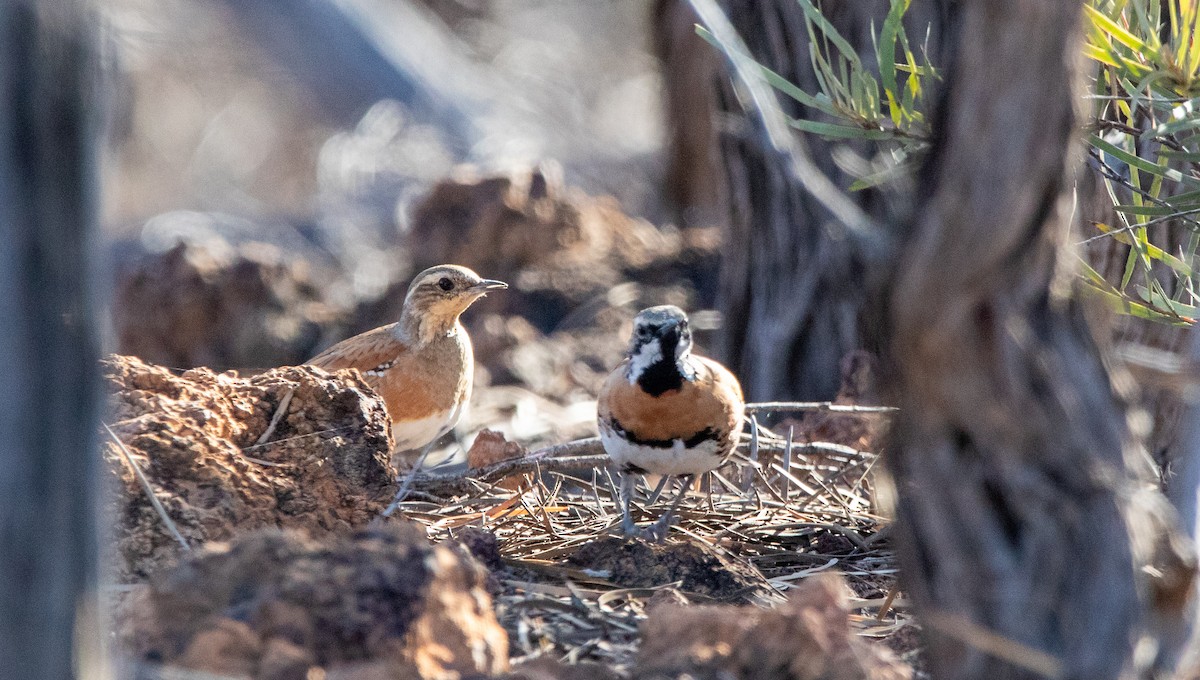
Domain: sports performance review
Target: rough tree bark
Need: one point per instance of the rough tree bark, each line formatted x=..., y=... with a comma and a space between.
x=787, y=288
x=791, y=292
x=47, y=341
x=1020, y=508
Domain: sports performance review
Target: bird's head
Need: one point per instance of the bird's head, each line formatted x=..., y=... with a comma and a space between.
x=658, y=333
x=438, y=295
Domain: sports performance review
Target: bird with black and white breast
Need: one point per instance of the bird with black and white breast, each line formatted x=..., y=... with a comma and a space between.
x=667, y=411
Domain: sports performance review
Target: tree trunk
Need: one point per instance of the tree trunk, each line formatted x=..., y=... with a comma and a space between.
x=787, y=288
x=791, y=293
x=1020, y=498
x=48, y=351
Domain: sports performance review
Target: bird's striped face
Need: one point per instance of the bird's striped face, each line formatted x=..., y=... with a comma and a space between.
x=438, y=295
x=660, y=343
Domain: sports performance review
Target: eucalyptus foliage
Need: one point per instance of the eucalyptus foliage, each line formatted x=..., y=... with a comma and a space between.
x=1143, y=135
x=1144, y=141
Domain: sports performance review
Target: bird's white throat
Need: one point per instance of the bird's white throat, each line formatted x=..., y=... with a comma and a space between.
x=648, y=354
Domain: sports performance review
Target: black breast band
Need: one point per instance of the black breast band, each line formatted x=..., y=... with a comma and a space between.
x=693, y=441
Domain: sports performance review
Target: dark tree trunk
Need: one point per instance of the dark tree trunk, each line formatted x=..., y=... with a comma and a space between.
x=791, y=291
x=48, y=348
x=694, y=186
x=788, y=290
x=1020, y=497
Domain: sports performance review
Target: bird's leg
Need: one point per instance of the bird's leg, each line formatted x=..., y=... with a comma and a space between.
x=628, y=482
x=659, y=530
x=408, y=480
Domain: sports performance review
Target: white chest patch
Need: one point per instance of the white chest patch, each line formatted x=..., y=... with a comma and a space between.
x=415, y=434
x=676, y=459
x=647, y=355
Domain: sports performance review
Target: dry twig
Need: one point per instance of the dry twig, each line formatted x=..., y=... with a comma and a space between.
x=146, y=487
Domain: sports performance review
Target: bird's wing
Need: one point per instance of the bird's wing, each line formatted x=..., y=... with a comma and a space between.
x=408, y=391
x=372, y=352
x=725, y=390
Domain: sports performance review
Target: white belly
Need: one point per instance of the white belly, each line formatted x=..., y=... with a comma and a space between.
x=676, y=459
x=415, y=434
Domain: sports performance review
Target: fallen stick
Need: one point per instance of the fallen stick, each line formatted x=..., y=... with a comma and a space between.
x=580, y=454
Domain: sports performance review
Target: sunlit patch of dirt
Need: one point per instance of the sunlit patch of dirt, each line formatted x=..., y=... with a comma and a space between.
x=323, y=466
x=274, y=605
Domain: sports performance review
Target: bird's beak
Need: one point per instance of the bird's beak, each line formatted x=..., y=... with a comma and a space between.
x=488, y=284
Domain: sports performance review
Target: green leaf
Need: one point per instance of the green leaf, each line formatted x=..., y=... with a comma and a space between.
x=1140, y=163
x=1124, y=305
x=1159, y=301
x=1149, y=16
x=834, y=131
x=1183, y=156
x=1193, y=46
x=1152, y=251
x=1094, y=277
x=1099, y=54
x=1184, y=199
x=826, y=75
x=882, y=177
x=918, y=70
x=1111, y=28
x=1150, y=210
x=819, y=102
x=1130, y=266
x=886, y=53
x=1183, y=118
x=813, y=15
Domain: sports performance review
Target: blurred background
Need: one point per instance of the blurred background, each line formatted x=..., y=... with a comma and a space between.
x=219, y=111
x=275, y=172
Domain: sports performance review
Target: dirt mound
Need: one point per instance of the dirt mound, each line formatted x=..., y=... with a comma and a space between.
x=220, y=305
x=808, y=638
x=275, y=605
x=324, y=465
x=505, y=224
x=697, y=568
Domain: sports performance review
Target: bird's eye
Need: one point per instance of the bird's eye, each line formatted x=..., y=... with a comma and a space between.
x=445, y=284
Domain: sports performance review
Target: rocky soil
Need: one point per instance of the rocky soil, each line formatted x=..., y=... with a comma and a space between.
x=276, y=483
x=277, y=605
x=806, y=638
x=293, y=447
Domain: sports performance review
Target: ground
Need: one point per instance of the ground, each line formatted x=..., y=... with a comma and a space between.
x=521, y=519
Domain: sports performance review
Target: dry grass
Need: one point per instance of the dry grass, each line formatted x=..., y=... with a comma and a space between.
x=787, y=511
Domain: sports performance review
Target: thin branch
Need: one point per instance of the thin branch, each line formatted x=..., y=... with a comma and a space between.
x=1133, y=132
x=318, y=433
x=1111, y=174
x=870, y=237
x=279, y=413
x=581, y=454
x=145, y=482
x=408, y=479
x=785, y=406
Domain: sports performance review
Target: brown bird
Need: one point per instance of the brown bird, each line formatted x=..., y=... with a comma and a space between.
x=422, y=365
x=666, y=411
